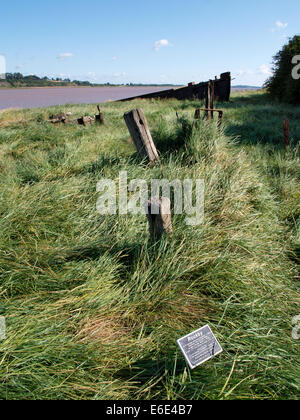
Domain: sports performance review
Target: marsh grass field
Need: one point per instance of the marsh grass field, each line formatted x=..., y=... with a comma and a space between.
x=93, y=308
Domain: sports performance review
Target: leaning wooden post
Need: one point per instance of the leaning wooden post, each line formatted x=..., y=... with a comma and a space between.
x=140, y=134
x=158, y=211
x=99, y=118
x=286, y=129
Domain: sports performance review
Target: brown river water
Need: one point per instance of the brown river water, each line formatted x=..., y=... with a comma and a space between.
x=48, y=96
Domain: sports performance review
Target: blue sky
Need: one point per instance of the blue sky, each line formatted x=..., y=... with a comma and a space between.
x=157, y=41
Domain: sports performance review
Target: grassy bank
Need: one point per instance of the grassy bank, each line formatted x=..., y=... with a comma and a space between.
x=93, y=309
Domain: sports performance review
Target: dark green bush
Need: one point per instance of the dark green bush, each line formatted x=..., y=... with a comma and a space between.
x=281, y=84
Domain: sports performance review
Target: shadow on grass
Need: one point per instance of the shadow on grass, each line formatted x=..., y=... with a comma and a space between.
x=172, y=142
x=260, y=121
x=251, y=99
x=147, y=368
x=126, y=253
x=294, y=255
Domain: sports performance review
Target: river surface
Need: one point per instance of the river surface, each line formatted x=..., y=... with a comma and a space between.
x=48, y=96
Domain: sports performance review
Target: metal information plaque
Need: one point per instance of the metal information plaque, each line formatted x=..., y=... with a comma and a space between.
x=199, y=346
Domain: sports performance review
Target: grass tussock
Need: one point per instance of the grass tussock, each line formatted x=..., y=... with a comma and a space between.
x=94, y=309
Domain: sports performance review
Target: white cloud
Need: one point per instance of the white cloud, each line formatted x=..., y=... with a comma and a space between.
x=252, y=76
x=92, y=76
x=244, y=72
x=117, y=75
x=114, y=58
x=63, y=56
x=281, y=25
x=264, y=69
x=161, y=43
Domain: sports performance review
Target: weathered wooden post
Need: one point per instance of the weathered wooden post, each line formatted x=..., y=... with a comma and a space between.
x=81, y=121
x=197, y=114
x=140, y=134
x=85, y=120
x=99, y=117
x=219, y=111
x=220, y=120
x=62, y=117
x=286, y=129
x=210, y=100
x=158, y=211
x=224, y=87
x=207, y=99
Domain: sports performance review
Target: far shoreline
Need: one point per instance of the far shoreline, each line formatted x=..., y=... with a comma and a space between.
x=89, y=87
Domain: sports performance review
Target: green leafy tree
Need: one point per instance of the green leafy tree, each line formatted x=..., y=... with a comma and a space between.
x=282, y=85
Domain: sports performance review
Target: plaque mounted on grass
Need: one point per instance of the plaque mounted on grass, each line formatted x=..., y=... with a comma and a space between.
x=199, y=346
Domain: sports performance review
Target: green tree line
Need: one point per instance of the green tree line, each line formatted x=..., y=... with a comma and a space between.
x=284, y=84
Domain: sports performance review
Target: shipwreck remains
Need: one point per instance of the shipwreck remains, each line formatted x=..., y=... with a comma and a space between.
x=84, y=120
x=222, y=89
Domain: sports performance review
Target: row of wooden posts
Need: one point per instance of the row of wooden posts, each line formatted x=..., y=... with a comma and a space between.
x=159, y=214
x=151, y=153
x=64, y=118
x=140, y=133
x=160, y=220
x=159, y=208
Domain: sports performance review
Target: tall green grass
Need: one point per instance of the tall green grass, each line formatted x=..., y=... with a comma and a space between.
x=94, y=309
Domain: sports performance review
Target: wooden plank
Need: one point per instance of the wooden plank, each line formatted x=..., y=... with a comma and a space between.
x=85, y=120
x=61, y=117
x=140, y=134
x=209, y=109
x=211, y=94
x=222, y=89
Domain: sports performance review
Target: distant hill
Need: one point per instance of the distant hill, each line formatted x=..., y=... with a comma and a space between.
x=17, y=80
x=246, y=87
